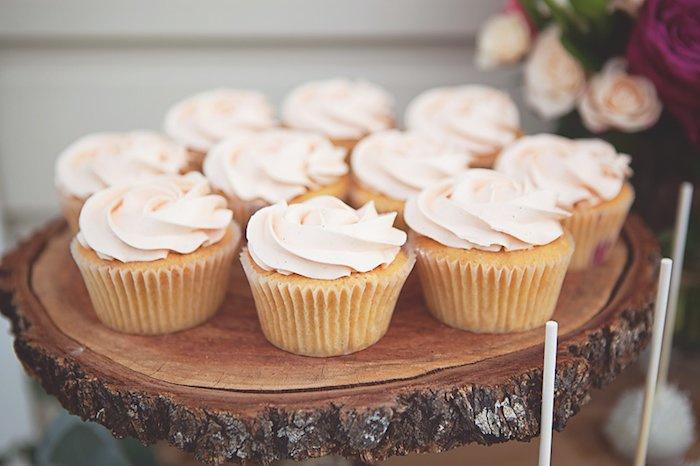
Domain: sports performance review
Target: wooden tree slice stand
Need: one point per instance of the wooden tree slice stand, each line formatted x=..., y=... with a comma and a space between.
x=223, y=392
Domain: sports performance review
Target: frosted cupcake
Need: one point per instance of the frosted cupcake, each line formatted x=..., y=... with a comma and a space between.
x=100, y=160
x=254, y=170
x=589, y=177
x=344, y=111
x=390, y=166
x=491, y=253
x=477, y=120
x=325, y=277
x=203, y=120
x=155, y=256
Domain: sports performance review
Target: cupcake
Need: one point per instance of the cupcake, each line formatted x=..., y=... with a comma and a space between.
x=491, y=252
x=254, y=170
x=589, y=177
x=97, y=161
x=477, y=120
x=155, y=256
x=390, y=166
x=325, y=277
x=203, y=120
x=344, y=111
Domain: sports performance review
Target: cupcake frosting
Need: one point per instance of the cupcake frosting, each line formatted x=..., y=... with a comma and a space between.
x=322, y=238
x=339, y=108
x=487, y=210
x=274, y=165
x=146, y=221
x=100, y=160
x=475, y=119
x=583, y=171
x=400, y=164
x=201, y=121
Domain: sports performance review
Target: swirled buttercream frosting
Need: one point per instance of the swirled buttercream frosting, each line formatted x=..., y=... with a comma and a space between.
x=322, y=238
x=274, y=165
x=487, y=210
x=201, y=121
x=100, y=160
x=478, y=120
x=147, y=221
x=339, y=108
x=581, y=172
x=400, y=164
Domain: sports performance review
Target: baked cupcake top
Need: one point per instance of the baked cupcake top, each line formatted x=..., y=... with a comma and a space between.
x=475, y=119
x=339, y=108
x=400, y=164
x=148, y=220
x=322, y=238
x=487, y=210
x=99, y=160
x=204, y=119
x=274, y=165
x=581, y=172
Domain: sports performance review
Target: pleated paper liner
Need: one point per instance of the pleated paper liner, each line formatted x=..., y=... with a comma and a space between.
x=71, y=207
x=326, y=317
x=243, y=210
x=361, y=195
x=596, y=229
x=164, y=296
x=492, y=292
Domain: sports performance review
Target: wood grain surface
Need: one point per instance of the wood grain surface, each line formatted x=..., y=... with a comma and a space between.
x=224, y=393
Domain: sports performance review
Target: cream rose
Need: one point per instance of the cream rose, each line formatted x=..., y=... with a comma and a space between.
x=553, y=78
x=146, y=221
x=504, y=38
x=322, y=238
x=617, y=100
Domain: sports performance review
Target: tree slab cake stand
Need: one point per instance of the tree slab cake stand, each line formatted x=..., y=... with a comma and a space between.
x=223, y=392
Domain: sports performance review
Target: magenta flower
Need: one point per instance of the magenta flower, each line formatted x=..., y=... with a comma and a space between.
x=665, y=47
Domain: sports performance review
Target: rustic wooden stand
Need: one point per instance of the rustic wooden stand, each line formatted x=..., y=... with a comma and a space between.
x=224, y=393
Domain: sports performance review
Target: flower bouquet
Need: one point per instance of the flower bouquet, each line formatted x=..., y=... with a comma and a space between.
x=627, y=71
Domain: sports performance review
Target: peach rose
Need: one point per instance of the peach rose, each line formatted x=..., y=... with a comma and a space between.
x=503, y=39
x=620, y=101
x=553, y=78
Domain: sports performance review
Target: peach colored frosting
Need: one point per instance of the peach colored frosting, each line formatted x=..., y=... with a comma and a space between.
x=100, y=160
x=145, y=221
x=487, y=210
x=274, y=165
x=400, y=164
x=339, y=108
x=201, y=121
x=475, y=119
x=588, y=171
x=322, y=238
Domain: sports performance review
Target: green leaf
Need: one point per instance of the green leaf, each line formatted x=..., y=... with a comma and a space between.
x=530, y=7
x=591, y=9
x=583, y=55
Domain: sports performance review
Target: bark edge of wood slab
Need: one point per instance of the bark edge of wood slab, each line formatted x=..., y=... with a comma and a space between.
x=493, y=400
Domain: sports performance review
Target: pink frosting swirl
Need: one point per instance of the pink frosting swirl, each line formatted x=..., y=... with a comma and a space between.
x=204, y=119
x=100, y=160
x=322, y=238
x=339, y=108
x=487, y=210
x=400, y=164
x=274, y=165
x=583, y=171
x=478, y=120
x=145, y=221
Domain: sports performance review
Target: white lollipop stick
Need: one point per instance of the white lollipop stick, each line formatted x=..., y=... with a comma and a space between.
x=653, y=370
x=680, y=233
x=548, y=372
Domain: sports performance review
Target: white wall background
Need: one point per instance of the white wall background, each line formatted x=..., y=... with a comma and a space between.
x=70, y=67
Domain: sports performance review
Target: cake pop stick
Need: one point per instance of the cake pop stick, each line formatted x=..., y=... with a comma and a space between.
x=652, y=372
x=680, y=233
x=548, y=372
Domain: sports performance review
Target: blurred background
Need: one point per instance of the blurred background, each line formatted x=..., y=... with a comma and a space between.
x=73, y=67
